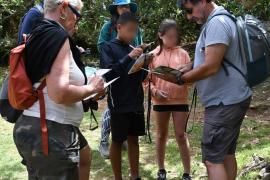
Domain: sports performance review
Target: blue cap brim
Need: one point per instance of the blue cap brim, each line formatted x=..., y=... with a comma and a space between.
x=133, y=7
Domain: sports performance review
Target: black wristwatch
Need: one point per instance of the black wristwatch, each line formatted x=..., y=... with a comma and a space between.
x=179, y=79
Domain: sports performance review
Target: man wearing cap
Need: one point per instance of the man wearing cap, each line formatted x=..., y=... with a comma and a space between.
x=107, y=33
x=223, y=91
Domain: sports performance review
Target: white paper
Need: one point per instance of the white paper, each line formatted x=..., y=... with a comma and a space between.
x=105, y=86
x=97, y=72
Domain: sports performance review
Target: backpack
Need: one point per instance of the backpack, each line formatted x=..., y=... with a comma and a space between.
x=254, y=46
x=21, y=93
x=6, y=110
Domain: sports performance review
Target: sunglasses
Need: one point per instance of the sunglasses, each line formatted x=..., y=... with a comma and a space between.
x=76, y=12
x=73, y=9
x=188, y=10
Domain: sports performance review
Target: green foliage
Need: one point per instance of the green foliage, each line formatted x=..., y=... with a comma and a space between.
x=95, y=13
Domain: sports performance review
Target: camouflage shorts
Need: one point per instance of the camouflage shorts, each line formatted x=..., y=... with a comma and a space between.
x=64, y=146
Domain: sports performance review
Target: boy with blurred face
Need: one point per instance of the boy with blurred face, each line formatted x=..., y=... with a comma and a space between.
x=107, y=33
x=224, y=93
x=125, y=98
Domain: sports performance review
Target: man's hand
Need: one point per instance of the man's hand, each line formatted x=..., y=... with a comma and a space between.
x=186, y=68
x=136, y=52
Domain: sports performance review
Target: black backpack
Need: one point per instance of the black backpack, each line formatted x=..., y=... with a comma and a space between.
x=254, y=45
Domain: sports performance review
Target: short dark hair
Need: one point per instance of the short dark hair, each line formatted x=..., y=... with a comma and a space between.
x=127, y=17
x=181, y=3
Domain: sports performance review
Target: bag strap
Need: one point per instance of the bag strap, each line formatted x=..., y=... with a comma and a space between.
x=233, y=18
x=236, y=68
x=194, y=107
x=44, y=129
x=149, y=104
x=39, y=8
x=92, y=116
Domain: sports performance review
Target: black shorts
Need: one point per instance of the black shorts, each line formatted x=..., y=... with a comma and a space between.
x=221, y=130
x=170, y=108
x=127, y=124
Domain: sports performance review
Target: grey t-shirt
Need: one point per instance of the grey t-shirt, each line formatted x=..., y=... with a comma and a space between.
x=221, y=88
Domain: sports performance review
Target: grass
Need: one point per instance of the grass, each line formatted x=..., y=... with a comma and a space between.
x=2, y=75
x=254, y=139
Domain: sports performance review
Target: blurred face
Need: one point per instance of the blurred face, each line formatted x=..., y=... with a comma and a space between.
x=195, y=12
x=169, y=38
x=122, y=9
x=127, y=32
x=70, y=17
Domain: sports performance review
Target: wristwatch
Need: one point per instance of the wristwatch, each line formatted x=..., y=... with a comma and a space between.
x=180, y=81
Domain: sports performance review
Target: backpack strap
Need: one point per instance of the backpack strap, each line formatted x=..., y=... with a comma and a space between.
x=39, y=8
x=149, y=104
x=110, y=30
x=194, y=107
x=44, y=129
x=236, y=68
x=233, y=18
x=92, y=116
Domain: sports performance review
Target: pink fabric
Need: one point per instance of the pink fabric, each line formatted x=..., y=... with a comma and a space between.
x=173, y=58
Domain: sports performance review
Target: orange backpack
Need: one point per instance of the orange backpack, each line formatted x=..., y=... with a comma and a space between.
x=21, y=93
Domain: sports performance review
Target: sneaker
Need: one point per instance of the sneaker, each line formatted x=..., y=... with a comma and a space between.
x=186, y=176
x=162, y=174
x=104, y=150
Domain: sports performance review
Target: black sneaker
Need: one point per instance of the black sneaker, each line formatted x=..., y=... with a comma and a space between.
x=186, y=176
x=162, y=174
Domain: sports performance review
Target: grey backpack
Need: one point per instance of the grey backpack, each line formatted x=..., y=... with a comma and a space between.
x=254, y=42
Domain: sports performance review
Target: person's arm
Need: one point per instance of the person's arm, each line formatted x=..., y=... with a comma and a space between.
x=213, y=58
x=28, y=23
x=59, y=89
x=217, y=41
x=104, y=35
x=118, y=67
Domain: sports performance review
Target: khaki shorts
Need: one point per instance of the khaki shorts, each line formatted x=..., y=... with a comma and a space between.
x=221, y=130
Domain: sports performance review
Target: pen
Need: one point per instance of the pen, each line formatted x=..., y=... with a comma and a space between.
x=152, y=72
x=131, y=46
